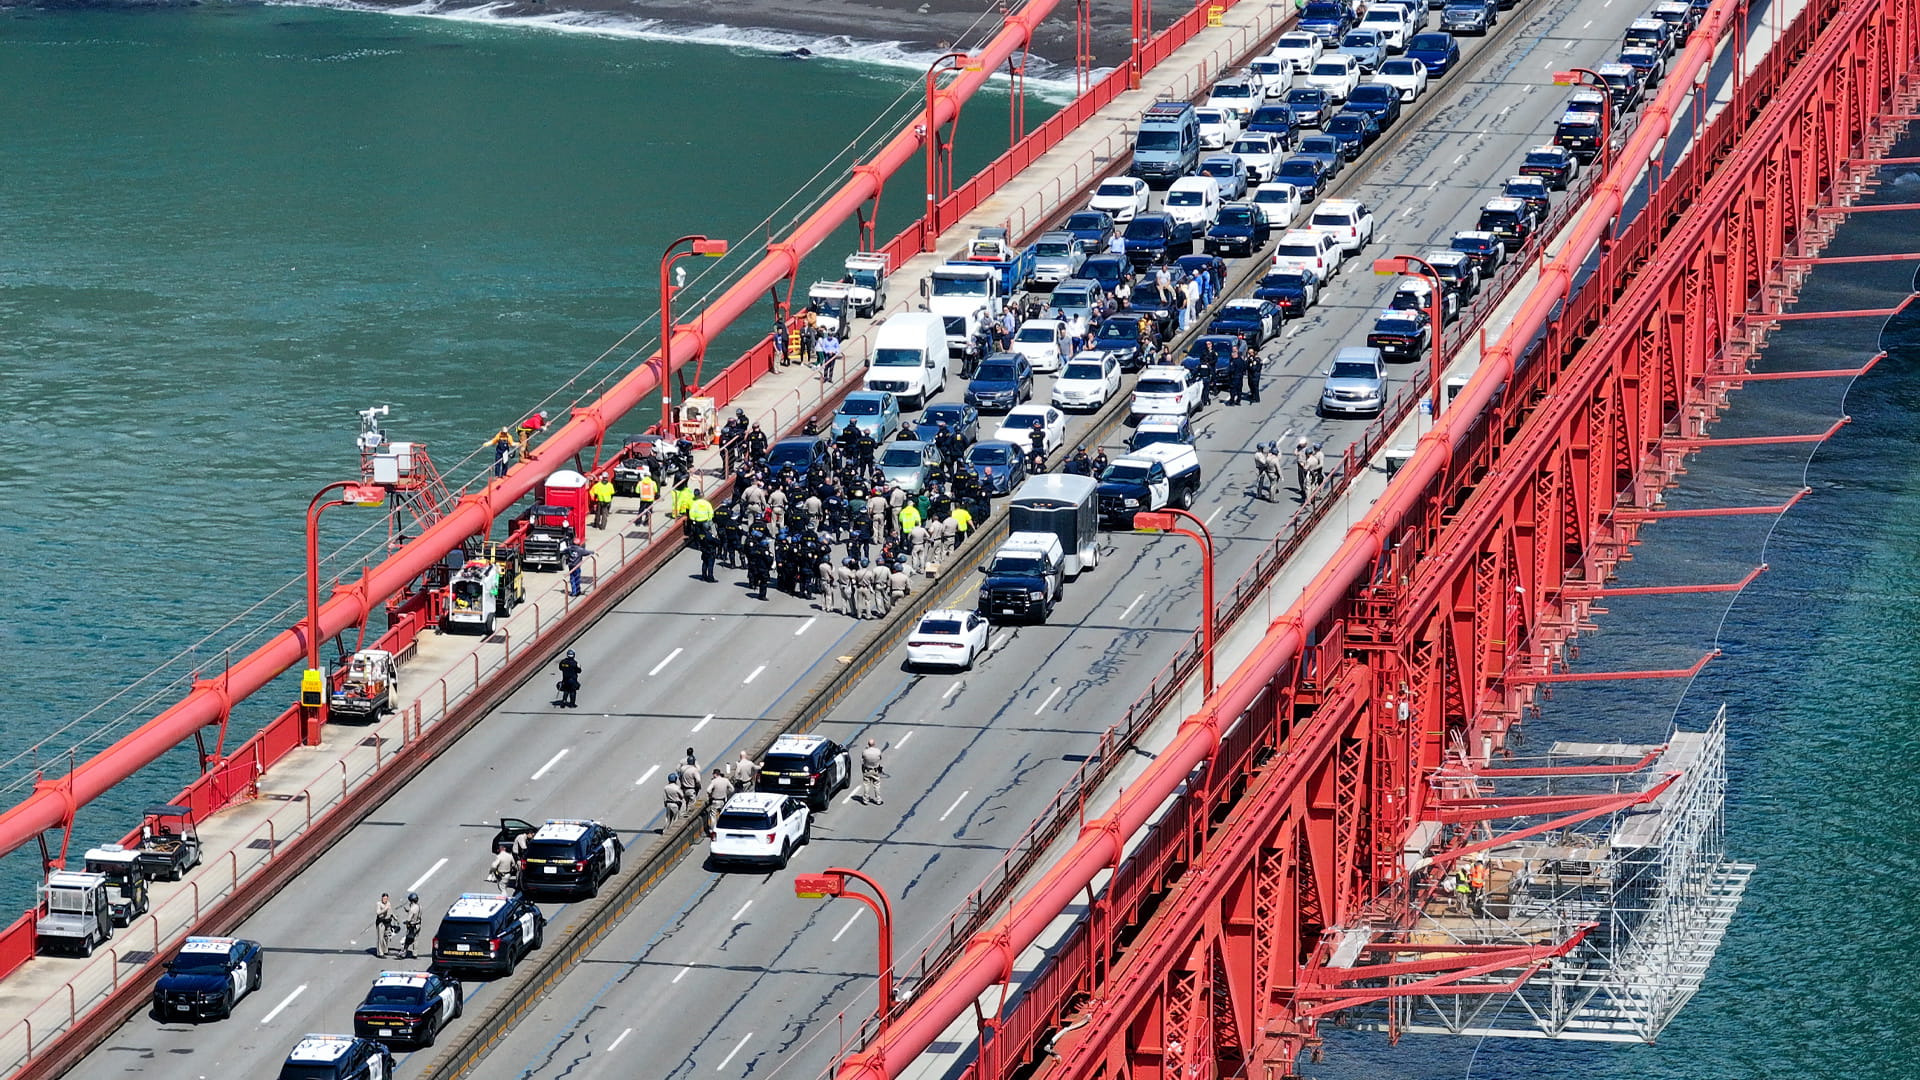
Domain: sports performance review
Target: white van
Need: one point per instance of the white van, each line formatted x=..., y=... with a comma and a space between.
x=909, y=358
x=1194, y=200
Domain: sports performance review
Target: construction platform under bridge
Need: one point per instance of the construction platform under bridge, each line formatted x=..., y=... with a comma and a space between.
x=1623, y=907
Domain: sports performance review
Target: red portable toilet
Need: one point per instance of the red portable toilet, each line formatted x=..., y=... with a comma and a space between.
x=567, y=490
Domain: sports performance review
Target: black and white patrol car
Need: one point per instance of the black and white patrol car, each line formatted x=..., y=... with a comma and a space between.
x=812, y=767
x=569, y=858
x=408, y=1007
x=206, y=978
x=487, y=932
x=337, y=1057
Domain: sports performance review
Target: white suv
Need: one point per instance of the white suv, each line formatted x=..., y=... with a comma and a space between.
x=760, y=827
x=1347, y=219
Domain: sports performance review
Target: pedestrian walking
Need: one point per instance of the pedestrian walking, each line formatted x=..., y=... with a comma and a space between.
x=500, y=873
x=719, y=790
x=1261, y=466
x=897, y=585
x=871, y=771
x=569, y=681
x=600, y=499
x=829, y=347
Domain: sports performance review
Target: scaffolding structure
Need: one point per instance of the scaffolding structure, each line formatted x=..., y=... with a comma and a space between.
x=1646, y=894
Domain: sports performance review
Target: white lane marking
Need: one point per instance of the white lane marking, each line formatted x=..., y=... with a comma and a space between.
x=551, y=762
x=1459, y=159
x=850, y=922
x=754, y=675
x=742, y=911
x=849, y=798
x=1130, y=607
x=1433, y=186
x=1216, y=513
x=284, y=1002
x=1049, y=701
x=1001, y=641
x=422, y=879
x=647, y=777
x=951, y=690
x=662, y=665
x=904, y=738
x=1586, y=24
x=703, y=722
x=1408, y=212
x=956, y=804
x=735, y=1050
x=683, y=973
x=805, y=626
x=615, y=1044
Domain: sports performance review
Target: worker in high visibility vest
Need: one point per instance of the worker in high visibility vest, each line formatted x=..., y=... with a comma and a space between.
x=600, y=498
x=683, y=501
x=649, y=491
x=700, y=532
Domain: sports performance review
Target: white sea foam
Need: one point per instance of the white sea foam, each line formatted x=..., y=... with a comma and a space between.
x=1044, y=78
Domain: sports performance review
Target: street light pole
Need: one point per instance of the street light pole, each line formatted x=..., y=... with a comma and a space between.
x=711, y=249
x=313, y=682
x=1436, y=311
x=1580, y=76
x=930, y=225
x=1165, y=521
x=833, y=883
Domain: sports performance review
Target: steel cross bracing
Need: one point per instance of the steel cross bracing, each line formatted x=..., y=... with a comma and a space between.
x=1293, y=831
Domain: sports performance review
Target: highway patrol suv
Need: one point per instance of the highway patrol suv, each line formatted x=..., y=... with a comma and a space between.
x=408, y=1007
x=569, y=858
x=337, y=1057
x=487, y=932
x=206, y=978
x=811, y=766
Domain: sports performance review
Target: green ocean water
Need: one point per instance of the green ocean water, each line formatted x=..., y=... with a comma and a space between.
x=224, y=230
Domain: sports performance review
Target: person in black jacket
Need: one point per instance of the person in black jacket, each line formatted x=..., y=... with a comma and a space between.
x=569, y=681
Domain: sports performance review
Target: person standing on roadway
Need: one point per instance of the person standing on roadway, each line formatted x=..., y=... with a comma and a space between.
x=745, y=772
x=501, y=872
x=700, y=531
x=690, y=780
x=600, y=499
x=383, y=925
x=871, y=771
x=574, y=556
x=411, y=921
x=569, y=681
x=719, y=790
x=676, y=801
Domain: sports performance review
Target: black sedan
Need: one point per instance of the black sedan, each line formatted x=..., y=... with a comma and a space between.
x=1000, y=466
x=1356, y=131
x=206, y=978
x=1094, y=227
x=410, y=1007
x=962, y=421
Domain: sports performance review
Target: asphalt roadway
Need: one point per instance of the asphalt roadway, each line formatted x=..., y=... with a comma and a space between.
x=728, y=972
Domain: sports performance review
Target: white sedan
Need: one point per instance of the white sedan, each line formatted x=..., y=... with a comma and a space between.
x=1121, y=196
x=1406, y=74
x=1279, y=203
x=1043, y=342
x=1017, y=427
x=1090, y=379
x=1260, y=153
x=760, y=827
x=947, y=638
x=1298, y=49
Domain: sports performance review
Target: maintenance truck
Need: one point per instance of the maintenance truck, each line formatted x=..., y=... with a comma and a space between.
x=365, y=689
x=76, y=913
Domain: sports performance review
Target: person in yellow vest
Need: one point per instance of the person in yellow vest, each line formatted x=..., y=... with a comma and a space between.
x=909, y=519
x=963, y=522
x=700, y=533
x=649, y=490
x=683, y=501
x=600, y=498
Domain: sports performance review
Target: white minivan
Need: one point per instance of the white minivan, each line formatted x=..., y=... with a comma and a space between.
x=1193, y=200
x=909, y=358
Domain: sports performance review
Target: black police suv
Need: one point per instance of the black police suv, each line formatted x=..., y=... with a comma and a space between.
x=487, y=933
x=206, y=978
x=569, y=859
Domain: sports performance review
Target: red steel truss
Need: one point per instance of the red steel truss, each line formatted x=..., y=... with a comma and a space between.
x=1273, y=878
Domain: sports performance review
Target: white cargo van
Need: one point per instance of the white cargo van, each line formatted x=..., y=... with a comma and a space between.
x=909, y=358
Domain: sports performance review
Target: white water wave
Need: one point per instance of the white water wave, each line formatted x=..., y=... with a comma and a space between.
x=1044, y=78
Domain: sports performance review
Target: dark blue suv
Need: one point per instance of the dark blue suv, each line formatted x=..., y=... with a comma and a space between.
x=1004, y=380
x=1439, y=52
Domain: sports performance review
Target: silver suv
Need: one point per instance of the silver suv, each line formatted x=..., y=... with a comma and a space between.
x=1356, y=383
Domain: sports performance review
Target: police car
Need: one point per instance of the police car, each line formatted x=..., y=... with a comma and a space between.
x=761, y=828
x=570, y=858
x=337, y=1057
x=408, y=1007
x=487, y=932
x=811, y=766
x=206, y=978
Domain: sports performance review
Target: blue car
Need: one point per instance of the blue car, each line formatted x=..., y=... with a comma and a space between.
x=1119, y=337
x=1004, y=380
x=1326, y=19
x=1306, y=173
x=799, y=453
x=1328, y=151
x=1438, y=51
x=1378, y=100
x=1274, y=120
x=963, y=423
x=410, y=1007
x=875, y=410
x=1108, y=270
x=1355, y=130
x=206, y=978
x=1310, y=106
x=1001, y=466
x=1093, y=227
